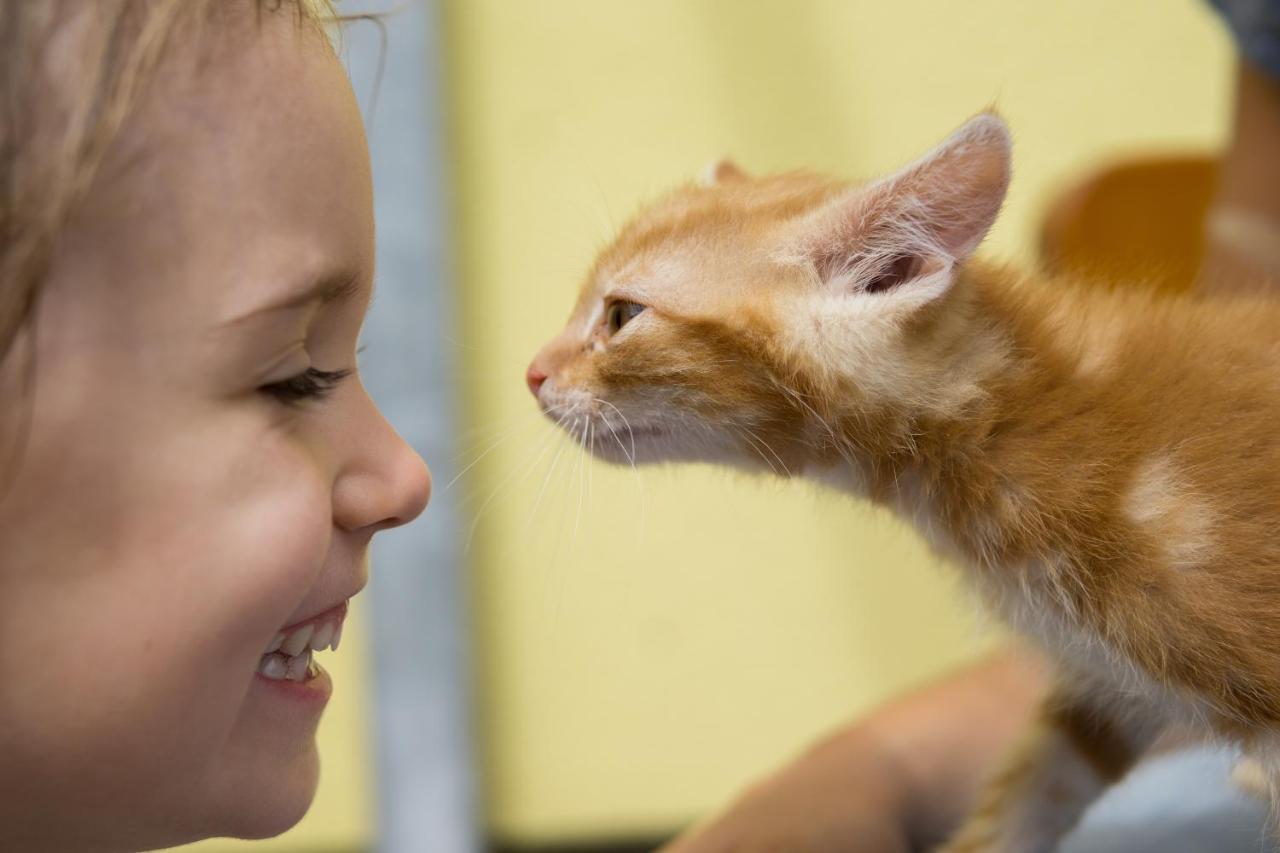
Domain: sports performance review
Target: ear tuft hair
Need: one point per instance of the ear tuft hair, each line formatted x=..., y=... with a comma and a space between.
x=929, y=216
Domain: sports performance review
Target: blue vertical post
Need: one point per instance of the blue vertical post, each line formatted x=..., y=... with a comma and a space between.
x=426, y=797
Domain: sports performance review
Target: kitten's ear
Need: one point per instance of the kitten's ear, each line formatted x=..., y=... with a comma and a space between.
x=918, y=222
x=722, y=171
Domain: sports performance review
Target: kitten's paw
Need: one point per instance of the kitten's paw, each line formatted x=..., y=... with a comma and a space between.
x=1250, y=778
x=980, y=842
x=968, y=843
x=979, y=837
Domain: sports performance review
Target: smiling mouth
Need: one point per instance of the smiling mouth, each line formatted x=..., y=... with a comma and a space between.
x=289, y=654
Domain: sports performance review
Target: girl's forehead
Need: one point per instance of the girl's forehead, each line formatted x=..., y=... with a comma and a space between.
x=238, y=177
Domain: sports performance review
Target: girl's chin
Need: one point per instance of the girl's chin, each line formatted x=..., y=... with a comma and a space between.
x=265, y=811
x=268, y=794
x=270, y=767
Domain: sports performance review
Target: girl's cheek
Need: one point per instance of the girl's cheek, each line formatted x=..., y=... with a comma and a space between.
x=163, y=637
x=277, y=542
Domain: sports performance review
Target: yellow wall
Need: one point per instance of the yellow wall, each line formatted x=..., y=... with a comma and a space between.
x=648, y=643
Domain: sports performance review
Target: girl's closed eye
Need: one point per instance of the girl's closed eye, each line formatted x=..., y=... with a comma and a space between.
x=309, y=385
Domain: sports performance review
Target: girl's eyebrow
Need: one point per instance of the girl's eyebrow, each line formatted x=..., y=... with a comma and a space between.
x=329, y=288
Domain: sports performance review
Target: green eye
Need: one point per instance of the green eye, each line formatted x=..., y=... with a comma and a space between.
x=620, y=313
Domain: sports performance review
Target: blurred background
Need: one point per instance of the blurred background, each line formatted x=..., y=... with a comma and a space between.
x=563, y=656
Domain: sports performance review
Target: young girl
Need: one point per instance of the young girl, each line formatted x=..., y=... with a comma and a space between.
x=190, y=470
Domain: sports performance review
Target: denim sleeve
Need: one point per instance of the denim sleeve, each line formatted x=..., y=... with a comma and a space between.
x=1181, y=803
x=1256, y=27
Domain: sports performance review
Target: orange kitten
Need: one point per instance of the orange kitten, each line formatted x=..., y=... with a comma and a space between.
x=1104, y=465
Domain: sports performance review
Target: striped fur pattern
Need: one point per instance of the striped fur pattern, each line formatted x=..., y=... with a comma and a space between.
x=1103, y=464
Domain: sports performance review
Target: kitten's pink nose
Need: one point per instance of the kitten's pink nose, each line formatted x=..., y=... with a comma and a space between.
x=534, y=378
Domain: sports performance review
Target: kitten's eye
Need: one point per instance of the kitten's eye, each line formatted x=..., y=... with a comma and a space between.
x=620, y=313
x=311, y=384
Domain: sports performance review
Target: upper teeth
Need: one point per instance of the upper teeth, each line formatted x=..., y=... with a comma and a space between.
x=323, y=634
x=317, y=636
x=288, y=655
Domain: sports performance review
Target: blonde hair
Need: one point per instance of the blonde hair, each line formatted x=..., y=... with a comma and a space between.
x=70, y=75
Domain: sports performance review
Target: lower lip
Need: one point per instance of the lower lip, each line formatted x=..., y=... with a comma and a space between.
x=312, y=693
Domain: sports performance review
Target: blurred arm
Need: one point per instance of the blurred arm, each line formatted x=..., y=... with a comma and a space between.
x=1243, y=227
x=897, y=780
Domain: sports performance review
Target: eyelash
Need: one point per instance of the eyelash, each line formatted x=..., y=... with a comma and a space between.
x=309, y=385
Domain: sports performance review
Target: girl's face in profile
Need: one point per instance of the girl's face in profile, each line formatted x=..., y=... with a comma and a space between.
x=190, y=486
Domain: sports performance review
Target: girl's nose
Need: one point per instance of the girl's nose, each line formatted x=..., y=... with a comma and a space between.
x=534, y=378
x=384, y=484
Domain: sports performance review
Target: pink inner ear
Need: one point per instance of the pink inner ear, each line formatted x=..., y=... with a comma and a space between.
x=876, y=237
x=900, y=269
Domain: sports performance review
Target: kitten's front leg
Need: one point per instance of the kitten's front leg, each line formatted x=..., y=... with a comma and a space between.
x=1073, y=753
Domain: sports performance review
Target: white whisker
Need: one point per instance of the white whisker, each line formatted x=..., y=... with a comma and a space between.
x=627, y=424
x=524, y=473
x=580, y=467
x=750, y=439
x=545, y=481
x=770, y=449
x=591, y=460
x=492, y=446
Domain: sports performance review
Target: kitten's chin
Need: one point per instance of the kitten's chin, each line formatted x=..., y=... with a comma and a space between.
x=639, y=445
x=655, y=445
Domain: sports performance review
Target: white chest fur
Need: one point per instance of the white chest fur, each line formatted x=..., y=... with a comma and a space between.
x=1028, y=600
